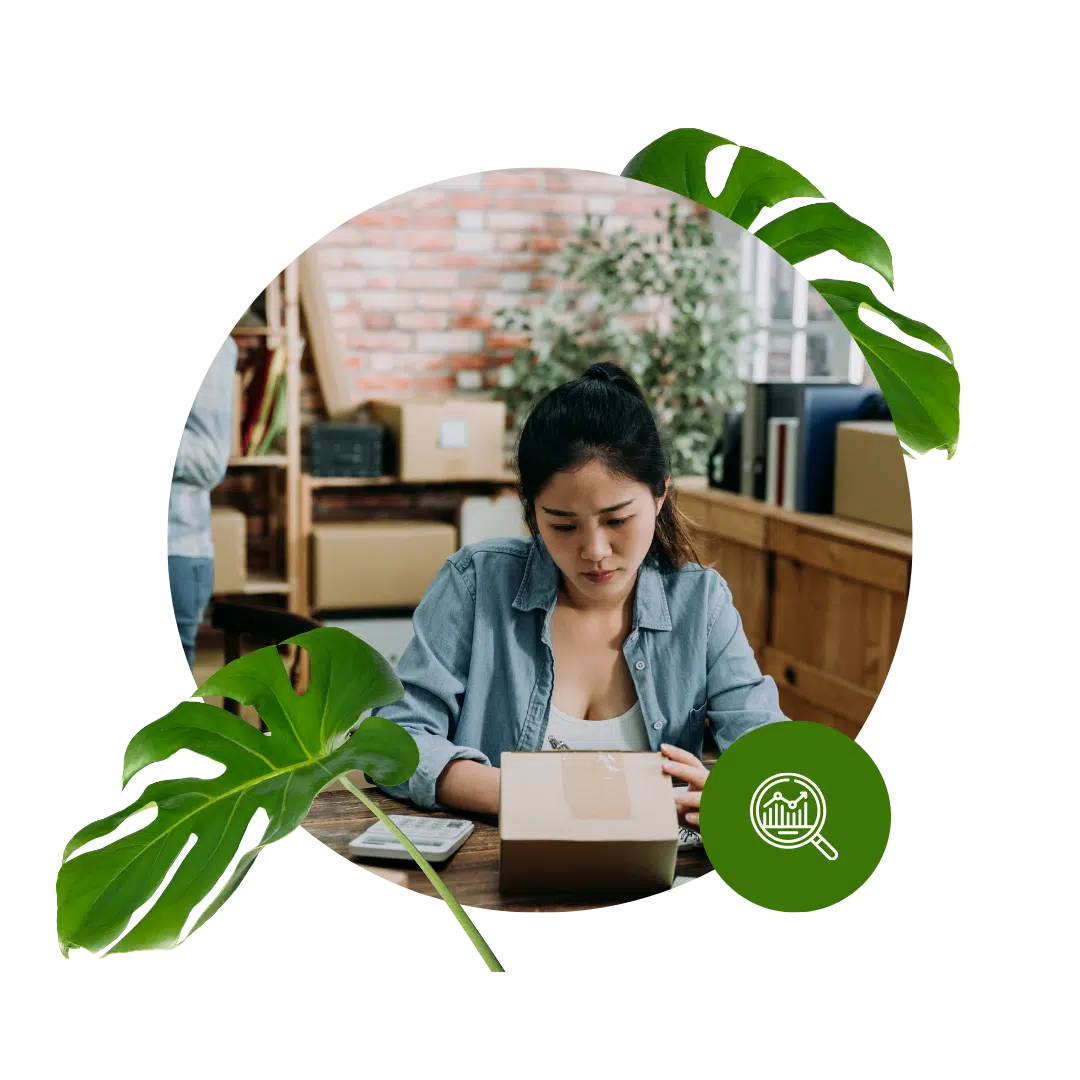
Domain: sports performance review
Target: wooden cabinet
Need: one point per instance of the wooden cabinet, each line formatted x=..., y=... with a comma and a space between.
x=822, y=599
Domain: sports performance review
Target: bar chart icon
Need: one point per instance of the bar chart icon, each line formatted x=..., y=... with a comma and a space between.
x=788, y=811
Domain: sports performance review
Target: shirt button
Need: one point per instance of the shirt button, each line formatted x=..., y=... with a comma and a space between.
x=657, y=725
x=640, y=665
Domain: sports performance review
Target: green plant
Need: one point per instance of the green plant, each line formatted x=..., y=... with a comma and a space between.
x=664, y=305
x=922, y=389
x=313, y=739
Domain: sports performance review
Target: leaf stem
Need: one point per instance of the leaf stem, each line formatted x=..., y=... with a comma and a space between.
x=459, y=912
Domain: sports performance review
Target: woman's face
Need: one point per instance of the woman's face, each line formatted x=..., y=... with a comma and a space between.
x=598, y=529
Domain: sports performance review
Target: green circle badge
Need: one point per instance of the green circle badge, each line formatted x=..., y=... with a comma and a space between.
x=795, y=816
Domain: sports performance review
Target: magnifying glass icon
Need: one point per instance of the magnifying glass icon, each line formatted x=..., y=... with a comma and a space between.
x=788, y=811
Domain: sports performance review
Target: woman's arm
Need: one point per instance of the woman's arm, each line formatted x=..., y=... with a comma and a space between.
x=434, y=672
x=740, y=698
x=471, y=786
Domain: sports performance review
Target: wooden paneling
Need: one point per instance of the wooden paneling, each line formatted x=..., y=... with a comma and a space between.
x=843, y=699
x=848, y=559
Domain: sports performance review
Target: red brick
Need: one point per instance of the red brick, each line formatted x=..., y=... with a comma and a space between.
x=428, y=279
x=468, y=200
x=472, y=322
x=345, y=320
x=382, y=300
x=557, y=181
x=378, y=238
x=418, y=320
x=456, y=260
x=469, y=362
x=379, y=281
x=435, y=301
x=544, y=244
x=506, y=341
x=506, y=179
x=379, y=321
x=353, y=361
x=642, y=206
x=373, y=384
x=382, y=219
x=387, y=339
x=427, y=240
x=534, y=204
x=542, y=284
x=434, y=221
x=435, y=383
x=511, y=242
x=480, y=280
x=466, y=303
x=523, y=262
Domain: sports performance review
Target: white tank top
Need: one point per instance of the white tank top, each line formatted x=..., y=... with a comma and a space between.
x=626, y=732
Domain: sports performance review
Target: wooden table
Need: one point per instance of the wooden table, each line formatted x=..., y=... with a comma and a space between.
x=472, y=873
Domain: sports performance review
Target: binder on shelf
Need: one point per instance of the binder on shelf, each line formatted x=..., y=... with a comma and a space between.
x=817, y=408
x=782, y=461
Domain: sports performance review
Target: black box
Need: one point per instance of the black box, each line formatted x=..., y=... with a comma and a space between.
x=348, y=449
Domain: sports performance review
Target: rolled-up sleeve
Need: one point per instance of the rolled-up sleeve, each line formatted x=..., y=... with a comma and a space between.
x=206, y=441
x=740, y=698
x=434, y=670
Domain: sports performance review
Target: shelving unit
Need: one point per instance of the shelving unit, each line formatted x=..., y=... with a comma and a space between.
x=310, y=484
x=282, y=325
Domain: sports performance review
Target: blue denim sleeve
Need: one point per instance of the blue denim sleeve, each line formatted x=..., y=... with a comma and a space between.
x=740, y=698
x=434, y=670
x=206, y=442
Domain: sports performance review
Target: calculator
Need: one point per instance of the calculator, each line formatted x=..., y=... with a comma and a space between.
x=435, y=838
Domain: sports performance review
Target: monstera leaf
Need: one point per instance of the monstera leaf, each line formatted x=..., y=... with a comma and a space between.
x=923, y=390
x=313, y=739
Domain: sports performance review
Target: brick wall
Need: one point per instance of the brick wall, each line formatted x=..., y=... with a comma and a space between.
x=413, y=284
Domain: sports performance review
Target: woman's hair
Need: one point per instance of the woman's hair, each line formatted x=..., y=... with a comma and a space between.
x=602, y=416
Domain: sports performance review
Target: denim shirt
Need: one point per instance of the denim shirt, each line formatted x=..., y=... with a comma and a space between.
x=479, y=673
x=202, y=458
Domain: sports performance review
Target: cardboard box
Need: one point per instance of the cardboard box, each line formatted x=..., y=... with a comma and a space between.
x=376, y=564
x=483, y=517
x=871, y=481
x=586, y=821
x=444, y=438
x=228, y=532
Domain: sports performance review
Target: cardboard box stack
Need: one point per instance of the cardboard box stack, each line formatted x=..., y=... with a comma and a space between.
x=871, y=481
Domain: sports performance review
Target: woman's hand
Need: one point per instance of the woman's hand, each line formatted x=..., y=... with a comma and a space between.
x=682, y=765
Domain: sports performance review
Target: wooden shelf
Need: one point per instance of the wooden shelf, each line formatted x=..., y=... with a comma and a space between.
x=251, y=331
x=258, y=584
x=262, y=460
x=314, y=482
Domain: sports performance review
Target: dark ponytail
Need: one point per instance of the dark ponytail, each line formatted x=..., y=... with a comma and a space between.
x=602, y=416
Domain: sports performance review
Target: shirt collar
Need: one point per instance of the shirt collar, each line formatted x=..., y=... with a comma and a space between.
x=540, y=589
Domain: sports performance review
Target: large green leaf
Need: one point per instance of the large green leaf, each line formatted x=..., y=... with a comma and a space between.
x=313, y=739
x=809, y=230
x=923, y=390
x=756, y=181
x=676, y=161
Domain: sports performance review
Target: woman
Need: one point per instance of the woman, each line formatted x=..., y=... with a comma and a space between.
x=600, y=632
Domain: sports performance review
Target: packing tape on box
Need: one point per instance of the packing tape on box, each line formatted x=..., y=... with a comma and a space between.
x=595, y=786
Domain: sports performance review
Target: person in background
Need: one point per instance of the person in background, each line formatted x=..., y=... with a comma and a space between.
x=200, y=466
